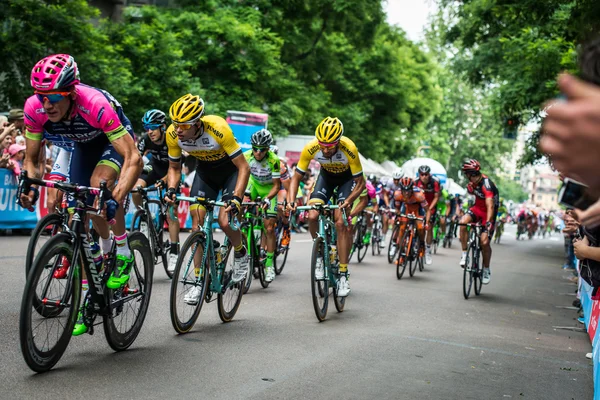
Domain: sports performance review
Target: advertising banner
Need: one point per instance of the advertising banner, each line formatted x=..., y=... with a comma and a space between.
x=244, y=124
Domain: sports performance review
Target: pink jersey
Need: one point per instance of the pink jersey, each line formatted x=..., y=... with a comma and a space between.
x=95, y=113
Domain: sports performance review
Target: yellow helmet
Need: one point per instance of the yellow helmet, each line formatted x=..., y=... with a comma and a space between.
x=187, y=108
x=330, y=130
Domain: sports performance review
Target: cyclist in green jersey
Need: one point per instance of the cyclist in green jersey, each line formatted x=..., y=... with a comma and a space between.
x=265, y=183
x=443, y=210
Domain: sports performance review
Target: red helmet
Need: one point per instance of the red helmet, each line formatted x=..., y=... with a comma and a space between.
x=471, y=165
x=406, y=183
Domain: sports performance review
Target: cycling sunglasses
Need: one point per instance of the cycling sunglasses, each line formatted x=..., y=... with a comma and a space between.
x=259, y=149
x=151, y=127
x=52, y=97
x=184, y=125
x=329, y=144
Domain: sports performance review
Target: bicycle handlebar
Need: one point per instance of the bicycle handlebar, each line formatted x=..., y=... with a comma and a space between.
x=411, y=216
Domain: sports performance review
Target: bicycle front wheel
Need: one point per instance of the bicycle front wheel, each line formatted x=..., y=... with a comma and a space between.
x=49, y=306
x=362, y=247
x=46, y=228
x=248, y=238
x=468, y=274
x=392, y=249
x=189, y=284
x=477, y=271
x=402, y=253
x=320, y=288
x=282, y=251
x=229, y=300
x=129, y=304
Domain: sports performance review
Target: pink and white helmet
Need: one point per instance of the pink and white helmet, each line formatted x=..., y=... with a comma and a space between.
x=371, y=191
x=55, y=72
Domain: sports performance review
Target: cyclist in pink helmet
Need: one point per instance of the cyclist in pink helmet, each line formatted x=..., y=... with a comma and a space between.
x=103, y=148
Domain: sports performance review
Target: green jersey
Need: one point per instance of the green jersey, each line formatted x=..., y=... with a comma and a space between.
x=443, y=201
x=263, y=172
x=502, y=211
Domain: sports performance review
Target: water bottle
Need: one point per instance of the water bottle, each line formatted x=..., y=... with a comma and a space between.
x=222, y=252
x=96, y=255
x=257, y=234
x=332, y=254
x=217, y=248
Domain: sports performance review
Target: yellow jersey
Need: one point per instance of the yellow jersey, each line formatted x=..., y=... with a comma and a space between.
x=213, y=148
x=344, y=162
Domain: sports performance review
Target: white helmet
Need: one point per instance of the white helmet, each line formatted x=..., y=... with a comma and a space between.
x=399, y=173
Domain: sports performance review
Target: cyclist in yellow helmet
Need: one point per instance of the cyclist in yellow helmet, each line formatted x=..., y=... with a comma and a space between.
x=221, y=167
x=340, y=169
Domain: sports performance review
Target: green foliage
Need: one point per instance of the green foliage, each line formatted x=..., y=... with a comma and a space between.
x=510, y=190
x=518, y=48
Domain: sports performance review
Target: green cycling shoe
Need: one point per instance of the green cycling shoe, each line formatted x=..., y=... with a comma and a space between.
x=80, y=328
x=367, y=238
x=120, y=276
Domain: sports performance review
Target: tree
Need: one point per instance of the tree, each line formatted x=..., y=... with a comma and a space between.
x=510, y=190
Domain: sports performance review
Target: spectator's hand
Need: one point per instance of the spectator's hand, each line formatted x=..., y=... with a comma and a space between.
x=580, y=246
x=10, y=165
x=12, y=129
x=571, y=131
x=589, y=217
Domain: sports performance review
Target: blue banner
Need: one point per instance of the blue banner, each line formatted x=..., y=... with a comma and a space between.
x=12, y=216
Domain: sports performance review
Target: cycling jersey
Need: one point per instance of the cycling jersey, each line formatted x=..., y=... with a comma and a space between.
x=95, y=112
x=485, y=189
x=443, y=201
x=416, y=203
x=96, y=120
x=215, y=147
x=502, y=211
x=284, y=171
x=159, y=152
x=264, y=171
x=429, y=189
x=344, y=164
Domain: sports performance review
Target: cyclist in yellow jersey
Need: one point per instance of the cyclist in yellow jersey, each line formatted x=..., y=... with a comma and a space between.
x=221, y=167
x=341, y=169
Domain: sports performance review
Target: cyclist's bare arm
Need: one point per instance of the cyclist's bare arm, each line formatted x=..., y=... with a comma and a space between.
x=293, y=190
x=286, y=184
x=132, y=166
x=433, y=204
x=489, y=203
x=31, y=164
x=173, y=174
x=243, y=175
x=275, y=189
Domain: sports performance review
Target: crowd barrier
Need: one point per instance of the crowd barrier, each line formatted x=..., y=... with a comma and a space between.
x=591, y=309
x=13, y=216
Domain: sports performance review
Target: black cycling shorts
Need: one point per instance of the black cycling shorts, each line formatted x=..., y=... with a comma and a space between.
x=158, y=171
x=326, y=185
x=209, y=181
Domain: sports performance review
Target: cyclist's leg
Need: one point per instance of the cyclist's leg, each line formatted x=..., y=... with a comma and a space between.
x=60, y=172
x=344, y=239
x=467, y=218
x=486, y=248
x=442, y=216
x=321, y=193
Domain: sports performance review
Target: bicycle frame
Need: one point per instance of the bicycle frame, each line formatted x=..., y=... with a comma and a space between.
x=216, y=268
x=156, y=231
x=410, y=224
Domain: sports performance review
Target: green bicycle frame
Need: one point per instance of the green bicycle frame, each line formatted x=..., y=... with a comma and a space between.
x=216, y=268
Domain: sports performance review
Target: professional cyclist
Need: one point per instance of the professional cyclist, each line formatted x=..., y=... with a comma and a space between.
x=367, y=201
x=411, y=200
x=430, y=186
x=104, y=149
x=443, y=210
x=388, y=197
x=341, y=169
x=484, y=211
x=221, y=167
x=283, y=215
x=265, y=182
x=155, y=172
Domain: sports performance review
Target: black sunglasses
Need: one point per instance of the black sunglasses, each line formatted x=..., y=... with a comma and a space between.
x=260, y=149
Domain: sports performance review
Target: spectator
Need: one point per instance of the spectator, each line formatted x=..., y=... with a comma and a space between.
x=17, y=154
x=587, y=250
x=6, y=136
x=571, y=227
x=15, y=117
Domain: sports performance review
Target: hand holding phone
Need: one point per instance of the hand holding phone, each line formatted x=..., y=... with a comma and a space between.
x=574, y=194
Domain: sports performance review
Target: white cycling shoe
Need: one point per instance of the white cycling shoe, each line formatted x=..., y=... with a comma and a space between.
x=319, y=270
x=240, y=268
x=487, y=275
x=463, y=260
x=343, y=286
x=172, y=262
x=193, y=296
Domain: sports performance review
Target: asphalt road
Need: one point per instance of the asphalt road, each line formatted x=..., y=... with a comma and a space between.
x=411, y=339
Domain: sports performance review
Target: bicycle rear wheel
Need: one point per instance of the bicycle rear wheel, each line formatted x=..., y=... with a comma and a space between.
x=282, y=252
x=189, y=274
x=320, y=288
x=46, y=326
x=361, y=250
x=129, y=304
x=393, y=250
x=478, y=273
x=248, y=238
x=228, y=302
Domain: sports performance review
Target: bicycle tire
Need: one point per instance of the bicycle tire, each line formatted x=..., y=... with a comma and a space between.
x=395, y=232
x=279, y=264
x=402, y=260
x=262, y=273
x=37, y=359
x=339, y=302
x=49, y=220
x=319, y=288
x=248, y=238
x=468, y=274
x=164, y=245
x=185, y=325
x=116, y=339
x=478, y=274
x=412, y=259
x=233, y=292
x=419, y=258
